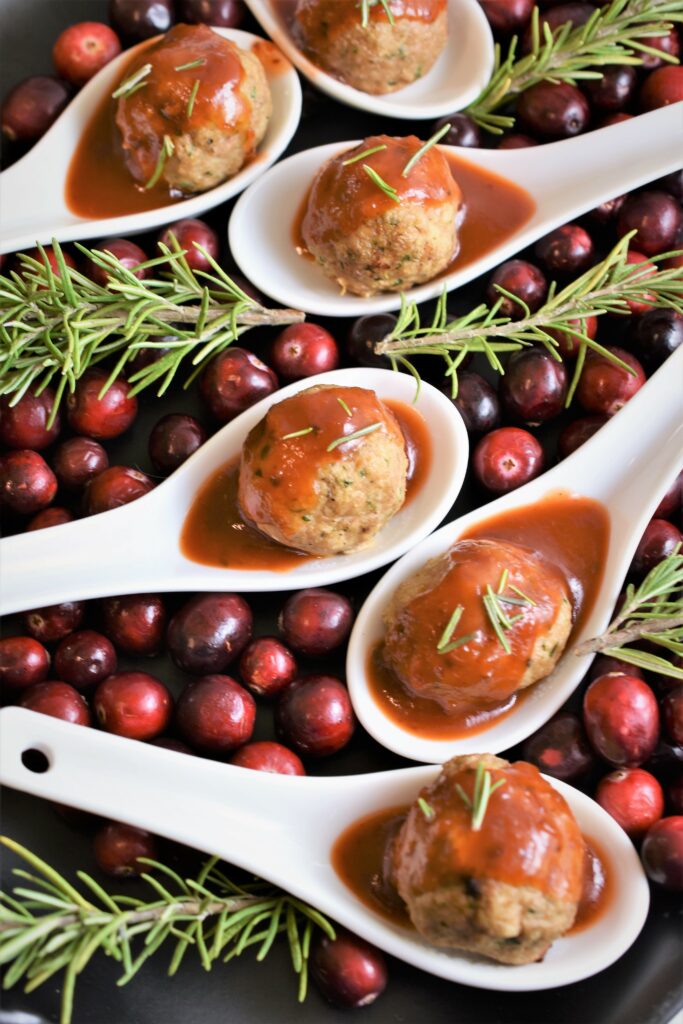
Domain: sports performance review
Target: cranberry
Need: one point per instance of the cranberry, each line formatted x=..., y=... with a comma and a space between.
x=659, y=540
x=673, y=183
x=614, y=90
x=662, y=851
x=82, y=50
x=662, y=87
x=49, y=517
x=476, y=402
x=524, y=281
x=58, y=700
x=173, y=439
x=506, y=459
x=116, y=486
x=636, y=306
x=314, y=716
x=348, y=971
x=665, y=44
x=605, y=387
x=77, y=461
x=608, y=210
x=140, y=19
x=553, y=110
x=534, y=386
x=224, y=13
x=32, y=106
x=315, y=621
x=302, y=350
x=27, y=484
x=671, y=501
x=133, y=704
x=575, y=14
x=622, y=719
x=672, y=711
x=603, y=665
x=655, y=335
x=614, y=119
x=560, y=748
x=126, y=252
x=655, y=217
x=633, y=798
x=463, y=131
x=267, y=667
x=215, y=714
x=85, y=659
x=364, y=334
x=54, y=622
x=577, y=433
x=507, y=16
x=209, y=632
x=568, y=344
x=135, y=623
x=190, y=233
x=169, y=743
x=268, y=757
x=666, y=761
x=23, y=662
x=117, y=848
x=516, y=140
x=234, y=381
x=24, y=424
x=101, y=417
x=566, y=250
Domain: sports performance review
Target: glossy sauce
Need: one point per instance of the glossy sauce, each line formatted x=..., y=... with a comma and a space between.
x=272, y=58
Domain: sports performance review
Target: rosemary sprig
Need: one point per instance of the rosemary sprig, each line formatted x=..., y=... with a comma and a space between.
x=365, y=6
x=193, y=97
x=436, y=137
x=615, y=34
x=363, y=156
x=191, y=64
x=483, y=790
x=167, y=150
x=133, y=83
x=52, y=927
x=352, y=437
x=388, y=190
x=497, y=617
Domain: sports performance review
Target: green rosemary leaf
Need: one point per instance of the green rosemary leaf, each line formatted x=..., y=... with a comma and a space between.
x=436, y=137
x=193, y=97
x=426, y=808
x=191, y=64
x=353, y=437
x=388, y=190
x=445, y=638
x=132, y=84
x=167, y=149
x=363, y=156
x=344, y=406
x=298, y=433
x=521, y=594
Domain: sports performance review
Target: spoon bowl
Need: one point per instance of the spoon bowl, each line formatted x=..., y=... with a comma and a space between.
x=42, y=173
x=283, y=828
x=568, y=179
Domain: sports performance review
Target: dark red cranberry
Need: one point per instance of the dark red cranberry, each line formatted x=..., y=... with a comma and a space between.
x=101, y=417
x=82, y=50
x=568, y=344
x=364, y=334
x=672, y=712
x=348, y=971
x=577, y=433
x=117, y=848
x=463, y=131
x=674, y=795
x=189, y=234
x=234, y=381
x=603, y=665
x=315, y=621
x=659, y=540
x=49, y=517
x=54, y=622
x=27, y=484
x=135, y=623
x=314, y=716
x=140, y=19
x=667, y=44
x=126, y=252
x=507, y=458
x=85, y=659
x=32, y=106
x=215, y=714
x=566, y=250
x=116, y=486
x=267, y=667
x=302, y=350
x=560, y=748
x=614, y=90
x=608, y=210
x=476, y=402
x=604, y=386
x=655, y=217
x=673, y=184
x=633, y=797
x=507, y=16
x=666, y=761
x=173, y=439
x=268, y=757
x=622, y=719
x=671, y=502
x=524, y=281
x=655, y=335
x=209, y=632
x=23, y=662
x=222, y=13
x=516, y=140
x=58, y=700
x=25, y=424
x=534, y=386
x=169, y=743
x=662, y=851
x=77, y=461
x=614, y=119
x=645, y=269
x=575, y=14
x=553, y=110
x=133, y=704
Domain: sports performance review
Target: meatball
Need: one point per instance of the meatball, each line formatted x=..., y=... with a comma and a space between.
x=198, y=112
x=304, y=485
x=440, y=638
x=369, y=238
x=507, y=888
x=385, y=54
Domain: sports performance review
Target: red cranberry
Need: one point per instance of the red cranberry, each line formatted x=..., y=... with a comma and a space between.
x=234, y=381
x=126, y=252
x=23, y=662
x=605, y=387
x=267, y=667
x=209, y=632
x=633, y=798
x=140, y=19
x=135, y=623
x=524, y=281
x=315, y=621
x=656, y=335
x=662, y=851
x=32, y=106
x=169, y=743
x=268, y=757
x=575, y=14
x=101, y=417
x=27, y=484
x=659, y=540
x=215, y=714
x=364, y=334
x=672, y=710
x=516, y=140
x=507, y=16
x=77, y=461
x=566, y=250
x=117, y=848
x=133, y=704
x=622, y=719
x=614, y=90
x=463, y=131
x=49, y=517
x=662, y=87
x=560, y=748
x=114, y=487
x=58, y=700
x=568, y=344
x=577, y=433
x=24, y=425
x=348, y=971
x=173, y=439
x=85, y=659
x=665, y=44
x=603, y=665
x=553, y=110
x=506, y=459
x=190, y=233
x=534, y=386
x=666, y=761
x=54, y=622
x=314, y=716
x=655, y=217
x=671, y=501
x=634, y=258
x=223, y=13
x=476, y=402
x=608, y=210
x=302, y=350
x=82, y=50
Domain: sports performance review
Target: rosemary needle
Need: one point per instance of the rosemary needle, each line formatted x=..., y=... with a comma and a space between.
x=193, y=97
x=365, y=11
x=298, y=433
x=192, y=64
x=450, y=628
x=426, y=808
x=344, y=406
x=133, y=83
x=388, y=190
x=436, y=137
x=166, y=150
x=362, y=156
x=353, y=437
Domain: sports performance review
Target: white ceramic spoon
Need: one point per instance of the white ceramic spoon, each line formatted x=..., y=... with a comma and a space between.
x=135, y=549
x=628, y=466
x=565, y=178
x=456, y=79
x=283, y=828
x=32, y=202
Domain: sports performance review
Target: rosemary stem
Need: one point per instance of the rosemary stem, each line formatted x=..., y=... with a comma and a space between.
x=636, y=630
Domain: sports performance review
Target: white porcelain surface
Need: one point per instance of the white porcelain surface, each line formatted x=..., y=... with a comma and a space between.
x=282, y=828
x=135, y=549
x=565, y=178
x=41, y=174
x=455, y=80
x=628, y=466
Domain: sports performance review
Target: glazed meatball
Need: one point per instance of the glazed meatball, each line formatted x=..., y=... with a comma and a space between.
x=380, y=56
x=457, y=657
x=507, y=888
x=198, y=114
x=305, y=486
x=369, y=240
